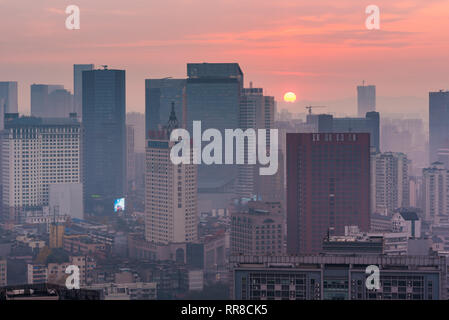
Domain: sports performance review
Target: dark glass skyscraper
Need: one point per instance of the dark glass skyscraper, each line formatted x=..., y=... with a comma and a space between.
x=104, y=139
x=213, y=97
x=8, y=93
x=159, y=95
x=328, y=187
x=438, y=123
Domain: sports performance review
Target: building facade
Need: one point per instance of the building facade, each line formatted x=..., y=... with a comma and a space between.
x=328, y=187
x=104, y=139
x=390, y=185
x=366, y=99
x=37, y=153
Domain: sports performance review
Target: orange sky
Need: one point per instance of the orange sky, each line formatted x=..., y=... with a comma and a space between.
x=318, y=49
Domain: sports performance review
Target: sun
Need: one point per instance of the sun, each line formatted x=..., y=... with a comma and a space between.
x=289, y=97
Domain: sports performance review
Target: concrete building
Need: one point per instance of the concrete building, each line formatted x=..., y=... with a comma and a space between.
x=36, y=153
x=331, y=277
x=126, y=291
x=257, y=228
x=390, y=185
x=170, y=192
x=435, y=191
x=407, y=221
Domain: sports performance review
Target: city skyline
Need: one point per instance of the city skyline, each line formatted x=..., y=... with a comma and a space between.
x=300, y=48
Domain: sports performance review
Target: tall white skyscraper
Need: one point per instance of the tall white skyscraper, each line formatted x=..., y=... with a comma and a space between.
x=366, y=99
x=8, y=93
x=78, y=87
x=390, y=185
x=35, y=153
x=170, y=192
x=435, y=191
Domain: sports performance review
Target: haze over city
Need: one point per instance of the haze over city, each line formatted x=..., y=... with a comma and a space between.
x=320, y=51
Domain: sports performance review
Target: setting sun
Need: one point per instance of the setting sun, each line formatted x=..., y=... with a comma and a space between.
x=289, y=97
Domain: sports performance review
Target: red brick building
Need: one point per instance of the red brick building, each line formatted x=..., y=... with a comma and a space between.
x=328, y=187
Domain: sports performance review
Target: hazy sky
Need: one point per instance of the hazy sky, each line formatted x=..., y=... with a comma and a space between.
x=318, y=49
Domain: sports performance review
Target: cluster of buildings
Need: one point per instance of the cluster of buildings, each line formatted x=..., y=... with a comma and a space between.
x=84, y=183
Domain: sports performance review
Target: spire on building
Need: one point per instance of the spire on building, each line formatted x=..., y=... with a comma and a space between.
x=172, y=121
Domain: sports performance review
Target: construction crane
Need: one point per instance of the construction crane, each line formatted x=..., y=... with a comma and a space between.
x=313, y=107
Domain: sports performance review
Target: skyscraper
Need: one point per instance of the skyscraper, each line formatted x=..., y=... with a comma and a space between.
x=50, y=101
x=8, y=92
x=435, y=191
x=213, y=97
x=367, y=123
x=78, y=86
x=366, y=99
x=37, y=153
x=390, y=185
x=328, y=187
x=170, y=191
x=104, y=138
x=159, y=95
x=438, y=123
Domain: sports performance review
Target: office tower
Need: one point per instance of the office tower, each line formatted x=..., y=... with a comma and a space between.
x=130, y=154
x=104, y=140
x=435, y=191
x=257, y=228
x=213, y=93
x=367, y=123
x=366, y=99
x=328, y=187
x=78, y=87
x=36, y=153
x=390, y=185
x=8, y=92
x=159, y=95
x=438, y=123
x=170, y=192
x=50, y=101
x=330, y=277
x=137, y=120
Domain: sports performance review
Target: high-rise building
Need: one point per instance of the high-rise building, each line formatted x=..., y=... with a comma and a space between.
x=137, y=120
x=130, y=154
x=78, y=87
x=366, y=99
x=50, y=101
x=438, y=123
x=328, y=187
x=3, y=272
x=8, y=92
x=159, y=95
x=257, y=228
x=390, y=185
x=104, y=139
x=435, y=191
x=170, y=191
x=213, y=92
x=36, y=153
x=369, y=122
